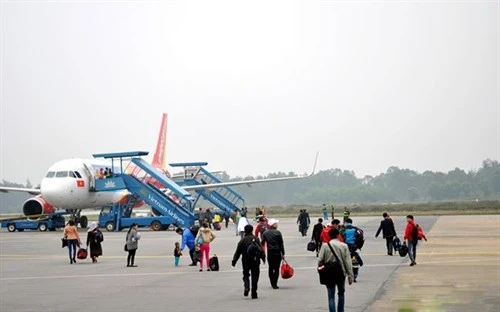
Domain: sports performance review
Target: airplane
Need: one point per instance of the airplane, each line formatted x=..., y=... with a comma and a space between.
x=58, y=187
x=66, y=186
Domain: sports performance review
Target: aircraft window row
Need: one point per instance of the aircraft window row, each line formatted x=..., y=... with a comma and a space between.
x=64, y=174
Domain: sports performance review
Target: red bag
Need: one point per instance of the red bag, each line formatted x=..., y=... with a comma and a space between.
x=82, y=253
x=286, y=270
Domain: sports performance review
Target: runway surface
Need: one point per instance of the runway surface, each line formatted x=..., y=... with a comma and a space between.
x=35, y=274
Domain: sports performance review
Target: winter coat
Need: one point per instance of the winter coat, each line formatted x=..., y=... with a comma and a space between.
x=342, y=252
x=387, y=228
x=132, y=238
x=273, y=239
x=95, y=247
x=207, y=235
x=241, y=250
x=187, y=239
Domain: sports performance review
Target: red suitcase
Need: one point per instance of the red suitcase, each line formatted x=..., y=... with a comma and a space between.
x=82, y=253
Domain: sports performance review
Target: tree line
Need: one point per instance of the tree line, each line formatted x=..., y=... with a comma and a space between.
x=396, y=185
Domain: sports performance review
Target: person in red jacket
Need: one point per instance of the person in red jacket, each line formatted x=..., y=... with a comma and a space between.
x=325, y=236
x=411, y=239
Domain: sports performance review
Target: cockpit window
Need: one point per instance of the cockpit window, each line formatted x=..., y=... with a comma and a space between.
x=61, y=174
x=50, y=174
x=78, y=174
x=72, y=174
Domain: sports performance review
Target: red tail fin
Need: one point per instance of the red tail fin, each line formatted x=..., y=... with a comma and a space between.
x=159, y=158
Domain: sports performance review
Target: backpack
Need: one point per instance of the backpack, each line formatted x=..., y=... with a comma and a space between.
x=98, y=237
x=359, y=238
x=254, y=251
x=417, y=232
x=214, y=263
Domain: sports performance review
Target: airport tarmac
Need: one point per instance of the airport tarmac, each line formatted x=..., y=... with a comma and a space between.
x=35, y=274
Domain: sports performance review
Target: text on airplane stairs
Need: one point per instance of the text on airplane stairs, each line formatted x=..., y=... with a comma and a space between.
x=159, y=201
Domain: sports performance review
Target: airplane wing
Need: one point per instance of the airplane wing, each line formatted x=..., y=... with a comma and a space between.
x=249, y=182
x=32, y=191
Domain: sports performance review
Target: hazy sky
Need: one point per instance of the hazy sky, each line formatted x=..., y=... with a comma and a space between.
x=251, y=87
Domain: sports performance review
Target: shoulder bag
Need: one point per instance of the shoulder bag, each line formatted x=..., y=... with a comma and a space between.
x=331, y=273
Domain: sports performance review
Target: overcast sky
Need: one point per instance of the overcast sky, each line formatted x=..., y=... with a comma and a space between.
x=251, y=87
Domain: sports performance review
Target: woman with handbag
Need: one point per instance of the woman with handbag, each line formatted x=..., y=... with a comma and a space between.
x=94, y=240
x=73, y=239
x=132, y=244
x=203, y=239
x=334, y=264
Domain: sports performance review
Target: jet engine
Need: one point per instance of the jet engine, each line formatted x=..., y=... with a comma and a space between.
x=36, y=206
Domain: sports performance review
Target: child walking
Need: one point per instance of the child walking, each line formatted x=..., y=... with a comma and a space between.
x=177, y=254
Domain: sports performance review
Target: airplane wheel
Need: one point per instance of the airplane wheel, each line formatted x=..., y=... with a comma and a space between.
x=11, y=227
x=156, y=225
x=84, y=222
x=42, y=227
x=110, y=226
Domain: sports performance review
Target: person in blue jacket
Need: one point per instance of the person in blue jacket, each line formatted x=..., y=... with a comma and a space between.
x=188, y=240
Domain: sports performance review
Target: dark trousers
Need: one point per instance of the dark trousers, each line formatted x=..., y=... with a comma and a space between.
x=192, y=256
x=227, y=222
x=254, y=271
x=72, y=249
x=131, y=257
x=388, y=243
x=318, y=246
x=274, y=261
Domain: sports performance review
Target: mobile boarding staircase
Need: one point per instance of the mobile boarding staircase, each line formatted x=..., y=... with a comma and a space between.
x=224, y=197
x=145, y=183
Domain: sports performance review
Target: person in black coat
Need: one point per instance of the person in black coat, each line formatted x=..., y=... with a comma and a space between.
x=273, y=239
x=94, y=240
x=388, y=231
x=316, y=234
x=251, y=263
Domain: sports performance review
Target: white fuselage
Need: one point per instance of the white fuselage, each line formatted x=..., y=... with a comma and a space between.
x=67, y=183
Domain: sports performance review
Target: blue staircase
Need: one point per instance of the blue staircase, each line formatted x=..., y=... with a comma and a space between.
x=149, y=185
x=224, y=197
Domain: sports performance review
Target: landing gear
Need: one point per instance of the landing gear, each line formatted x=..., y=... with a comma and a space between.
x=84, y=221
x=78, y=218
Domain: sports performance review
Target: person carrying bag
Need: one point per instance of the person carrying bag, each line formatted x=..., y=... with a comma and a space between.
x=334, y=264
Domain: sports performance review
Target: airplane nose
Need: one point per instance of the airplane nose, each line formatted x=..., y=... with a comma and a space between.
x=49, y=190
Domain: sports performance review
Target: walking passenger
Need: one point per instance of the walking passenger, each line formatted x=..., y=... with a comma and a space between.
x=343, y=256
x=94, y=240
x=411, y=239
x=250, y=249
x=73, y=239
x=316, y=234
x=203, y=239
x=132, y=244
x=325, y=235
x=236, y=219
x=388, y=232
x=241, y=225
x=273, y=239
x=226, y=218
